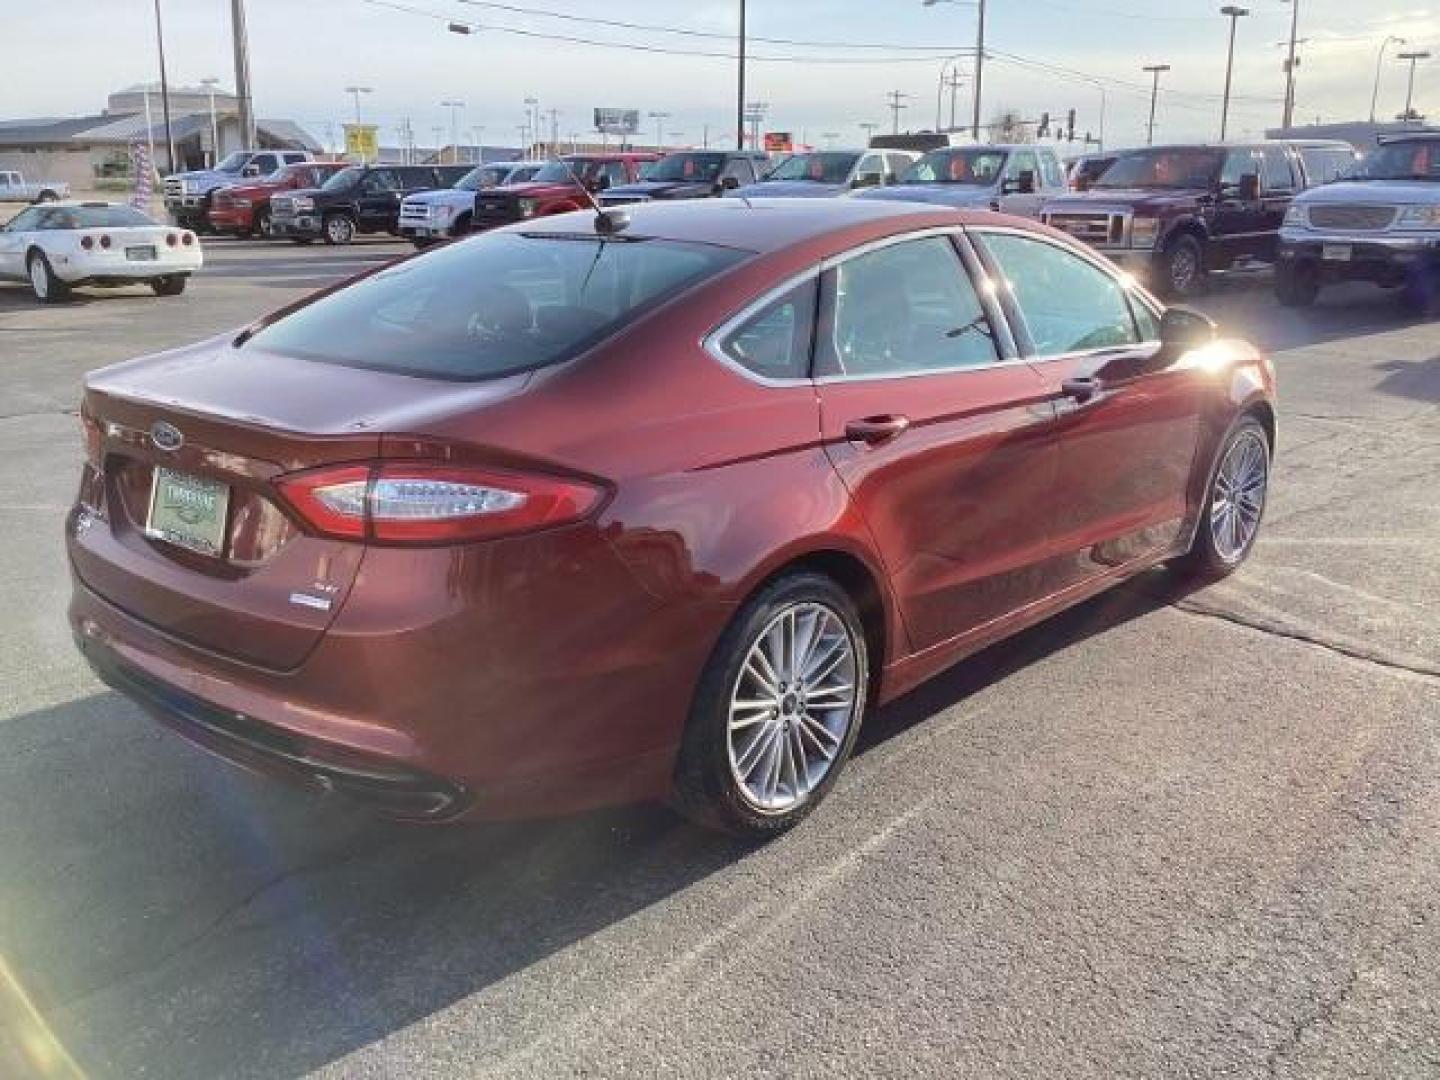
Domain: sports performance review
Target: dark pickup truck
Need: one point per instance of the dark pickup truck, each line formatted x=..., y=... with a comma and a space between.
x=691, y=174
x=360, y=199
x=1174, y=214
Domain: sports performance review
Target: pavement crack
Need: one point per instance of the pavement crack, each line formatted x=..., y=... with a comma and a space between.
x=1322, y=1015
x=1409, y=666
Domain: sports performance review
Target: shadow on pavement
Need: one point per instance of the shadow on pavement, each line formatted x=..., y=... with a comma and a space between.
x=1245, y=307
x=171, y=915
x=1418, y=380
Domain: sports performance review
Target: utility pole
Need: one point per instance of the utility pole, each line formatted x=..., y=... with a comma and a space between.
x=439, y=134
x=164, y=92
x=1380, y=59
x=555, y=128
x=1234, y=14
x=979, y=71
x=1410, y=86
x=1155, y=70
x=209, y=85
x=1290, y=66
x=242, y=73
x=532, y=118
x=868, y=127
x=896, y=99
x=740, y=89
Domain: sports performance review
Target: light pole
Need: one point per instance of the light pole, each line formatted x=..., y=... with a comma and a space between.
x=1155, y=70
x=439, y=132
x=242, y=72
x=740, y=88
x=979, y=57
x=164, y=92
x=868, y=127
x=1410, y=86
x=478, y=134
x=896, y=99
x=1233, y=13
x=209, y=85
x=1290, y=65
x=355, y=92
x=829, y=137
x=755, y=114
x=659, y=118
x=1379, y=59
x=532, y=118
x=454, y=107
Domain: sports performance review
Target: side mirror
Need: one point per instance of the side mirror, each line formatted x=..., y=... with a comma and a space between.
x=1249, y=187
x=1026, y=183
x=866, y=179
x=1183, y=328
x=600, y=183
x=250, y=170
x=730, y=183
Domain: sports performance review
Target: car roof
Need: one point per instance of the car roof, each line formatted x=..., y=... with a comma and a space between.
x=620, y=154
x=765, y=225
x=1408, y=136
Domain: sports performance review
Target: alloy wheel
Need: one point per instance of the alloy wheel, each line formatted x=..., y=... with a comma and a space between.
x=1183, y=269
x=39, y=279
x=792, y=707
x=1238, y=498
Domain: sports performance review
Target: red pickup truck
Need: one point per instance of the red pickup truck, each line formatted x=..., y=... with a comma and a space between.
x=244, y=209
x=553, y=189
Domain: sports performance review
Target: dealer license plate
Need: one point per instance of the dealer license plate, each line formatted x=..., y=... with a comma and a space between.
x=1335, y=252
x=187, y=511
x=145, y=253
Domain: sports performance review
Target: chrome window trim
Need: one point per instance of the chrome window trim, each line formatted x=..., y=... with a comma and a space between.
x=1131, y=288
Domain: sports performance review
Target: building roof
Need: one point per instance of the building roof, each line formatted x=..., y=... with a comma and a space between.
x=128, y=127
x=46, y=130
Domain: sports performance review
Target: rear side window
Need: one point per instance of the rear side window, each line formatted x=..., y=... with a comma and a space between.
x=1278, y=175
x=493, y=306
x=902, y=309
x=774, y=343
x=1051, y=174
x=1067, y=303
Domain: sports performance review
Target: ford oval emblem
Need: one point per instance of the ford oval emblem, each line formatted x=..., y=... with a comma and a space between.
x=166, y=436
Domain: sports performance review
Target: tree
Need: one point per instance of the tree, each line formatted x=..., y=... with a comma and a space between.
x=1007, y=126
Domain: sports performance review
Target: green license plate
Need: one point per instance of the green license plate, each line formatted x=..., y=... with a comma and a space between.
x=188, y=511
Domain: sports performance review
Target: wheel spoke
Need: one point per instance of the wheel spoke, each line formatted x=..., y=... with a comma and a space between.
x=762, y=671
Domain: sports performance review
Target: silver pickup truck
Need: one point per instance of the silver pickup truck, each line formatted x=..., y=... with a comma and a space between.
x=1380, y=223
x=15, y=188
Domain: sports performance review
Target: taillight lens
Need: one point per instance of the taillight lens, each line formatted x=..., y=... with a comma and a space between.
x=187, y=238
x=422, y=503
x=87, y=242
x=105, y=241
x=171, y=239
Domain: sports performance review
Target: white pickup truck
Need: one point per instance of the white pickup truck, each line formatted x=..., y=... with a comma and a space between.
x=15, y=188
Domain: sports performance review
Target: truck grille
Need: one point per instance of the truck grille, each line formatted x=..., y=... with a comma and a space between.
x=1358, y=218
x=281, y=206
x=1100, y=228
x=496, y=209
x=414, y=214
x=221, y=200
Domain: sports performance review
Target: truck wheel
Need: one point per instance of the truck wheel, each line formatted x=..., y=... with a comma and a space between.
x=47, y=196
x=1421, y=289
x=461, y=226
x=261, y=224
x=1182, y=267
x=48, y=288
x=170, y=284
x=339, y=229
x=1296, y=284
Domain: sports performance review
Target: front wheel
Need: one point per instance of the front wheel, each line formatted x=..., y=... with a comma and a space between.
x=1234, y=505
x=777, y=710
x=1296, y=284
x=261, y=225
x=48, y=288
x=170, y=285
x=1182, y=267
x=339, y=229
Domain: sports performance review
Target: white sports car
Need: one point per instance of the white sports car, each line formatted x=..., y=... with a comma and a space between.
x=60, y=245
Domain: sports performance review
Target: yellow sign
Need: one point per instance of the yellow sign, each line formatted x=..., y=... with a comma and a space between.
x=361, y=141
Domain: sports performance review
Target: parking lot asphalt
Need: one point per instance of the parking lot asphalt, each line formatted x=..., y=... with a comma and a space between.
x=1165, y=834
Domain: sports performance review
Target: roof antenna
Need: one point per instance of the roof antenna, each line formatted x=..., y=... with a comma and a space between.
x=606, y=223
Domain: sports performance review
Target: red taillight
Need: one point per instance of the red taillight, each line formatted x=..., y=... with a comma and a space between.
x=420, y=503
x=105, y=241
x=171, y=239
x=187, y=238
x=87, y=242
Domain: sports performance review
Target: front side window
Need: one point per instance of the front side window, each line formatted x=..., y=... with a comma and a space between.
x=821, y=168
x=23, y=221
x=742, y=170
x=381, y=180
x=905, y=308
x=957, y=166
x=1278, y=175
x=1021, y=161
x=1067, y=303
x=345, y=179
x=503, y=303
x=696, y=168
x=774, y=343
x=1323, y=165
x=1238, y=164
x=1051, y=173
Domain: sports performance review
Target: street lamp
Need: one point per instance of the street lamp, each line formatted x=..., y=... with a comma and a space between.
x=1379, y=59
x=740, y=87
x=532, y=118
x=979, y=56
x=1154, y=70
x=869, y=127
x=659, y=118
x=1290, y=65
x=210, y=85
x=1234, y=14
x=478, y=134
x=1410, y=86
x=829, y=137
x=454, y=107
x=355, y=92
x=164, y=93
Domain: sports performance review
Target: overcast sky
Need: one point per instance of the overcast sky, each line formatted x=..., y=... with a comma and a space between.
x=63, y=56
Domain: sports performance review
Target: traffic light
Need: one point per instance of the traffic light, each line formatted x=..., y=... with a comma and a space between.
x=1043, y=128
x=1070, y=125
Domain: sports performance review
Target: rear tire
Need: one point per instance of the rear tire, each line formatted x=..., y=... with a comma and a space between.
x=1421, y=289
x=47, y=196
x=170, y=285
x=1234, y=504
x=48, y=288
x=1182, y=267
x=339, y=229
x=260, y=224
x=777, y=709
x=461, y=227
x=1296, y=284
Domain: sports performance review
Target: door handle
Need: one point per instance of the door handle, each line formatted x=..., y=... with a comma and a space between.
x=1082, y=388
x=874, y=430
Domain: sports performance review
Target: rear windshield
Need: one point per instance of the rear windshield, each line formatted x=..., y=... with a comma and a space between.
x=1418, y=160
x=344, y=178
x=95, y=217
x=493, y=306
x=823, y=168
x=1170, y=168
x=964, y=166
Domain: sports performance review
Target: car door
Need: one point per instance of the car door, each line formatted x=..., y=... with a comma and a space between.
x=1012, y=199
x=940, y=433
x=1128, y=418
x=1279, y=183
x=379, y=199
x=13, y=238
x=1237, y=223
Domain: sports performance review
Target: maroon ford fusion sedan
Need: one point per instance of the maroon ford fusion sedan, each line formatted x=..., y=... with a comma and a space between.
x=598, y=509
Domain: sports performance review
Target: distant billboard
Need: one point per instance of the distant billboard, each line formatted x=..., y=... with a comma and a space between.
x=779, y=142
x=617, y=121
